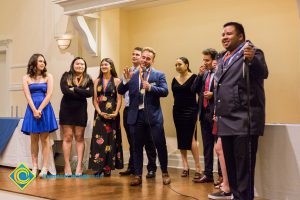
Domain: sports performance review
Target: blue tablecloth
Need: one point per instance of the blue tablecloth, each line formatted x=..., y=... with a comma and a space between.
x=7, y=128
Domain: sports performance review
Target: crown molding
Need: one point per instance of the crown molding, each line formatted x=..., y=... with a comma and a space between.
x=81, y=7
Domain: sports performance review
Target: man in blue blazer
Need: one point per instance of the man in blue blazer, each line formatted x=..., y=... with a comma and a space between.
x=149, y=146
x=146, y=87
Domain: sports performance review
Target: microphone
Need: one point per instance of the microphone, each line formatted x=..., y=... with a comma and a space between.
x=248, y=43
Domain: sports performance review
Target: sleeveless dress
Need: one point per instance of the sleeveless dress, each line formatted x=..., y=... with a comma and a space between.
x=184, y=112
x=47, y=123
x=106, y=151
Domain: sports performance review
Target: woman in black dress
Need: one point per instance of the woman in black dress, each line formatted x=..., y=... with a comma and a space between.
x=76, y=85
x=106, y=145
x=185, y=114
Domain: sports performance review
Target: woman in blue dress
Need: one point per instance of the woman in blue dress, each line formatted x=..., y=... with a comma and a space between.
x=39, y=119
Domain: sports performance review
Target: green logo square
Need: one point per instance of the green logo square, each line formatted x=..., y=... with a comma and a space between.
x=21, y=176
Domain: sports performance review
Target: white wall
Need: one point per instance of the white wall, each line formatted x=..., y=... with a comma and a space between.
x=278, y=163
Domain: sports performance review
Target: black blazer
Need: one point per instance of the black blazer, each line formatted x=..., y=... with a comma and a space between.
x=231, y=95
x=198, y=87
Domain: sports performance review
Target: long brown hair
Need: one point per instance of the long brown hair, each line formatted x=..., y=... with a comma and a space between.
x=71, y=74
x=113, y=69
x=32, y=66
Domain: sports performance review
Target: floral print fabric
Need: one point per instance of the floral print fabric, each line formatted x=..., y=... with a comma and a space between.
x=106, y=151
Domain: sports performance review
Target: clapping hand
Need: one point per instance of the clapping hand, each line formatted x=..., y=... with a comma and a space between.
x=127, y=73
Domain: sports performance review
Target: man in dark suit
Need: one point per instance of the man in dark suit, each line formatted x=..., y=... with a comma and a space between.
x=232, y=110
x=204, y=86
x=149, y=145
x=145, y=118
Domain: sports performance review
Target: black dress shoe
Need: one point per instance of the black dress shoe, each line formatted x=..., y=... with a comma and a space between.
x=127, y=172
x=151, y=174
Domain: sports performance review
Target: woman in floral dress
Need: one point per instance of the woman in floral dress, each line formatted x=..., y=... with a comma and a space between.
x=106, y=145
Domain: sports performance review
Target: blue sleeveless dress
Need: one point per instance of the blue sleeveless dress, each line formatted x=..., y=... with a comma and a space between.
x=47, y=123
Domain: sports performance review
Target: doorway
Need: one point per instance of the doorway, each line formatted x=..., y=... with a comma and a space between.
x=4, y=86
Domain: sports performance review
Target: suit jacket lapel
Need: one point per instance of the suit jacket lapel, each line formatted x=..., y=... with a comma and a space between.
x=236, y=57
x=151, y=76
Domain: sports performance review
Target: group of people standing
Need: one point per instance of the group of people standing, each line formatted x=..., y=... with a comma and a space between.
x=231, y=117
x=76, y=85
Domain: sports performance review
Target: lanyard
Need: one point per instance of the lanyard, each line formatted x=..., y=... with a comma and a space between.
x=106, y=86
x=228, y=58
x=147, y=78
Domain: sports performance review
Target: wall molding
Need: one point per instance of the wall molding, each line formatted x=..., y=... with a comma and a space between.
x=79, y=7
x=90, y=43
x=18, y=66
x=5, y=43
x=15, y=87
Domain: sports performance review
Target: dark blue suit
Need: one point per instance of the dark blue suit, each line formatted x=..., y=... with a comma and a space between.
x=147, y=122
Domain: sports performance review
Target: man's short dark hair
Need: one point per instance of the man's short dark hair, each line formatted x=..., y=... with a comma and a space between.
x=238, y=27
x=138, y=49
x=210, y=51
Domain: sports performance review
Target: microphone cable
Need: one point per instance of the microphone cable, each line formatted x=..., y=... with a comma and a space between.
x=247, y=77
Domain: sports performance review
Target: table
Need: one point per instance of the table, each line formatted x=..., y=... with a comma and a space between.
x=18, y=150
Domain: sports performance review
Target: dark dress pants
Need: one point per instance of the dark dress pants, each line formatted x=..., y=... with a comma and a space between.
x=208, y=140
x=236, y=155
x=149, y=147
x=142, y=132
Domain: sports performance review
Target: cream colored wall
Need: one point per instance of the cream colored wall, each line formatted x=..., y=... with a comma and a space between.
x=188, y=27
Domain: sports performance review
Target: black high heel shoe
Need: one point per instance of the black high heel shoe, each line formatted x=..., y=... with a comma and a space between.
x=185, y=173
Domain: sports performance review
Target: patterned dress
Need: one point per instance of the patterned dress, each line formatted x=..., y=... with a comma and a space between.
x=106, y=145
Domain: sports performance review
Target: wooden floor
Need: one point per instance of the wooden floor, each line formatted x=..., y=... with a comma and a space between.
x=114, y=187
